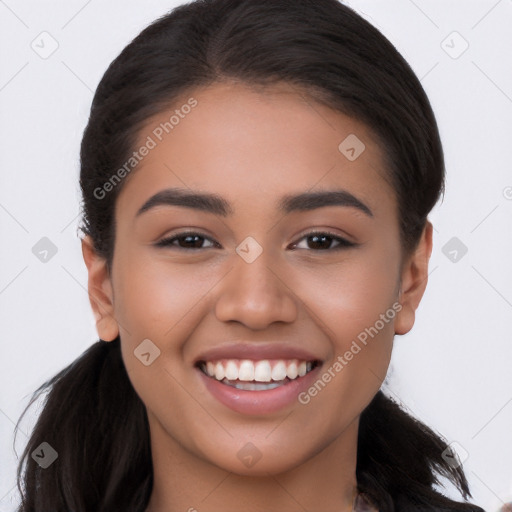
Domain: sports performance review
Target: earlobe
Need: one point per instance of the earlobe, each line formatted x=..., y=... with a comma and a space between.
x=100, y=291
x=414, y=279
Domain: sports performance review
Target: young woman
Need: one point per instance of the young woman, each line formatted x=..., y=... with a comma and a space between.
x=256, y=182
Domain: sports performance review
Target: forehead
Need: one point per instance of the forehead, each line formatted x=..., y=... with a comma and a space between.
x=244, y=142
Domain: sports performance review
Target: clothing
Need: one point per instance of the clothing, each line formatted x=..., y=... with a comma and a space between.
x=363, y=504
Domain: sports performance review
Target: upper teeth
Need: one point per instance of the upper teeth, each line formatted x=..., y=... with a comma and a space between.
x=260, y=371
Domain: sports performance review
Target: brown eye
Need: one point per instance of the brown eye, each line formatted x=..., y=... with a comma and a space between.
x=323, y=240
x=187, y=240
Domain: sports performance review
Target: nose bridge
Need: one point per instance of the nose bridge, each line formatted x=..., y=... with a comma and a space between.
x=257, y=274
x=254, y=292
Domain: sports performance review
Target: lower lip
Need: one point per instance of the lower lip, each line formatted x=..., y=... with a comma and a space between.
x=259, y=402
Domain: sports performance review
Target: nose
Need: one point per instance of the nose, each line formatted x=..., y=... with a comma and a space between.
x=256, y=294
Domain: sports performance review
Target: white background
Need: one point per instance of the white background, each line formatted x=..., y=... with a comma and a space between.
x=453, y=371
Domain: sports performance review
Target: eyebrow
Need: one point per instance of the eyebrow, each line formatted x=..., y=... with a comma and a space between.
x=213, y=203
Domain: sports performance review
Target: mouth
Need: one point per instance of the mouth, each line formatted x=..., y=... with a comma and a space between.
x=256, y=375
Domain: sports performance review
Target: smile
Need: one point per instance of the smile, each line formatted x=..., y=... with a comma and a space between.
x=250, y=375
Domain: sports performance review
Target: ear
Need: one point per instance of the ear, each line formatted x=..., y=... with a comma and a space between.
x=414, y=277
x=100, y=291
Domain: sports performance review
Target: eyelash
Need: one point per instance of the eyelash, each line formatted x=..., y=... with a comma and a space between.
x=342, y=242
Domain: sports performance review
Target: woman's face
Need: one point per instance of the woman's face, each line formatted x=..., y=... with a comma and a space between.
x=243, y=277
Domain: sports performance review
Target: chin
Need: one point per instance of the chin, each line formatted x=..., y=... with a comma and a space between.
x=264, y=463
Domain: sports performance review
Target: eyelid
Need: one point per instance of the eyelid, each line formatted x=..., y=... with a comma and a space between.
x=165, y=241
x=343, y=241
x=326, y=231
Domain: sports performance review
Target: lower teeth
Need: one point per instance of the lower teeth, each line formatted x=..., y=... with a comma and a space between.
x=254, y=386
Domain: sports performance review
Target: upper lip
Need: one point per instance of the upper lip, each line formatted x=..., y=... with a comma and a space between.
x=256, y=351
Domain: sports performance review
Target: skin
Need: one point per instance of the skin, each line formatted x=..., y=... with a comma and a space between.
x=252, y=147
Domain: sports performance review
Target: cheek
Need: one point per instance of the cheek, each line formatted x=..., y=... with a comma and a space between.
x=352, y=304
x=155, y=295
x=160, y=301
x=349, y=296
x=353, y=307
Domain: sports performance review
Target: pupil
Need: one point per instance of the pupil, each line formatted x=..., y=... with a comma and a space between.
x=190, y=238
x=322, y=237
